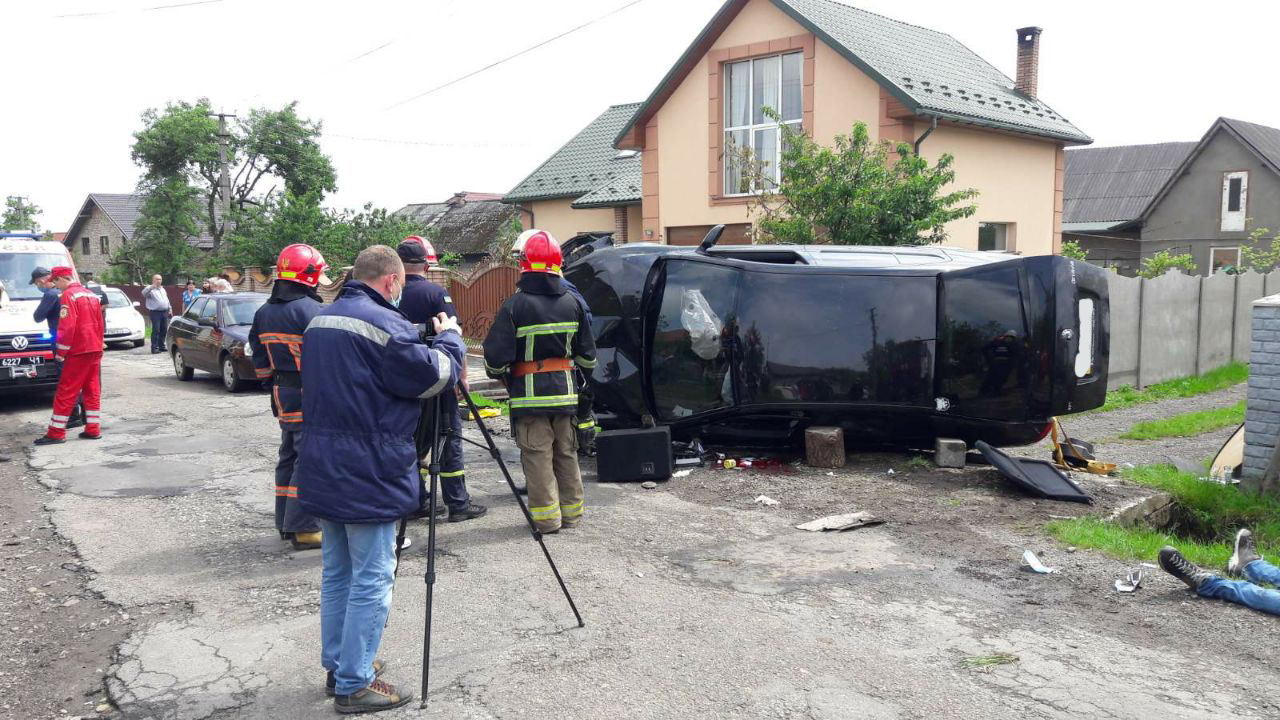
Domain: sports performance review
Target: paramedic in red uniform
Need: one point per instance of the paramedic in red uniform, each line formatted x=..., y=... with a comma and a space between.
x=79, y=348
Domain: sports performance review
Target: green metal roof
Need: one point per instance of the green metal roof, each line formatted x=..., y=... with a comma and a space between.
x=584, y=164
x=929, y=72
x=622, y=189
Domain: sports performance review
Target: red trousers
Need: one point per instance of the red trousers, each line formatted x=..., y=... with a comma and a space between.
x=80, y=374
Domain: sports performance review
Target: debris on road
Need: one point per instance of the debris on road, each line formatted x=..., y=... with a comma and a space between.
x=682, y=473
x=765, y=500
x=1038, y=477
x=1131, y=581
x=648, y=484
x=1034, y=563
x=838, y=523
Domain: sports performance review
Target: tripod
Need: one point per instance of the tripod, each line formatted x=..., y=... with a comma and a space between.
x=433, y=468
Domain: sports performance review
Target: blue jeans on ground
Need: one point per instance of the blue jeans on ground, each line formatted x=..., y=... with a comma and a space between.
x=355, y=597
x=1244, y=592
x=159, y=324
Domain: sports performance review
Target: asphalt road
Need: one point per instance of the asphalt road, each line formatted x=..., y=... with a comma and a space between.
x=698, y=602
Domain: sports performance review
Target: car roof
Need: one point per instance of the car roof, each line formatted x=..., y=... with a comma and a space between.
x=238, y=296
x=871, y=257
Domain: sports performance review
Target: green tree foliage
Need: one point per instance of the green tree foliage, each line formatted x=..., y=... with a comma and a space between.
x=160, y=244
x=19, y=215
x=1262, y=253
x=1162, y=262
x=1071, y=249
x=856, y=192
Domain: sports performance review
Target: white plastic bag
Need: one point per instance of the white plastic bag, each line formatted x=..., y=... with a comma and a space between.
x=703, y=325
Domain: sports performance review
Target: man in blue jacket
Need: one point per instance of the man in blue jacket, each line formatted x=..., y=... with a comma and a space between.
x=365, y=371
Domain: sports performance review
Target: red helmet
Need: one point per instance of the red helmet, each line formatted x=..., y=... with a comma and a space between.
x=301, y=264
x=428, y=252
x=539, y=252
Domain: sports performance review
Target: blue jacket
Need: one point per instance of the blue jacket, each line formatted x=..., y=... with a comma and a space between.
x=276, y=340
x=423, y=300
x=364, y=373
x=49, y=308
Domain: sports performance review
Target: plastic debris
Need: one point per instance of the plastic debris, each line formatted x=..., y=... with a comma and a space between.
x=891, y=472
x=681, y=473
x=730, y=463
x=1131, y=581
x=648, y=484
x=765, y=500
x=1034, y=563
x=838, y=523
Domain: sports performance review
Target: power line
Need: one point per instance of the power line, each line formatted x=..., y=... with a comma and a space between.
x=145, y=9
x=525, y=51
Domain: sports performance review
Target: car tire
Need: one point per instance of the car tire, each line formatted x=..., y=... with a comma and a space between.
x=229, y=379
x=180, y=367
x=138, y=343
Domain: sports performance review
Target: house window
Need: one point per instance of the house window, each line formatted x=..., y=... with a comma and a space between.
x=1235, y=200
x=84, y=246
x=750, y=86
x=993, y=236
x=1224, y=257
x=104, y=245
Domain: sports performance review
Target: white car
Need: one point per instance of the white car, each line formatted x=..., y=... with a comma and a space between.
x=124, y=322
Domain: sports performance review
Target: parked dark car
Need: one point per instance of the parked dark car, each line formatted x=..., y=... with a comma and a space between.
x=752, y=344
x=213, y=335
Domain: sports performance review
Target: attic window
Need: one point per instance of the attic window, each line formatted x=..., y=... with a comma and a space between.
x=624, y=154
x=1235, y=200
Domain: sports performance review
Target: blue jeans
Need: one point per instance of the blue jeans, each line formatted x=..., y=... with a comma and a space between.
x=355, y=597
x=159, y=325
x=1244, y=592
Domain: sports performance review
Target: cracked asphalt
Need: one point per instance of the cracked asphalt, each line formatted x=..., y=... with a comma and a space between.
x=698, y=602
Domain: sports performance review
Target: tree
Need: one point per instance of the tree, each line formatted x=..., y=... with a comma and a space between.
x=1261, y=254
x=160, y=244
x=854, y=193
x=1162, y=262
x=267, y=149
x=1071, y=249
x=19, y=215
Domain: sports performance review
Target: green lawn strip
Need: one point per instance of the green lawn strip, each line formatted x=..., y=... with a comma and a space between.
x=1212, y=381
x=1224, y=507
x=1187, y=424
x=484, y=402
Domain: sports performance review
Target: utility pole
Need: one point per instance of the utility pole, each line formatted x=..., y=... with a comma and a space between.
x=224, y=177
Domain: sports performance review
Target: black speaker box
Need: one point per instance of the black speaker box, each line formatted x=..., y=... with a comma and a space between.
x=634, y=455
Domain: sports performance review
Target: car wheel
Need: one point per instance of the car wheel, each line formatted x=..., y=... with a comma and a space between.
x=180, y=367
x=229, y=379
x=138, y=343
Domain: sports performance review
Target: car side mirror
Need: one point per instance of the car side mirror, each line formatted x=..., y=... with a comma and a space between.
x=205, y=321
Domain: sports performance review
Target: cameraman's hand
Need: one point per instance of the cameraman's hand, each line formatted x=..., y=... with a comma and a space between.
x=442, y=322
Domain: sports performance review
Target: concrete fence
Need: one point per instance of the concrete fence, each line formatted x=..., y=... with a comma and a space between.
x=1179, y=325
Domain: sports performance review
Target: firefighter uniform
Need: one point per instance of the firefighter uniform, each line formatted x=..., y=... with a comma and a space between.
x=79, y=349
x=538, y=336
x=586, y=419
x=276, y=341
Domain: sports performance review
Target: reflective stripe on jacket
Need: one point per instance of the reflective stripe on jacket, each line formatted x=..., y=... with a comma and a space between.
x=539, y=322
x=365, y=372
x=79, y=322
x=276, y=341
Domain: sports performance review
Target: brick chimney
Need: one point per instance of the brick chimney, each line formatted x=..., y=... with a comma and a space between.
x=1028, y=60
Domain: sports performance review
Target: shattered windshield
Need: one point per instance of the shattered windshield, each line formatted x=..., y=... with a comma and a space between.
x=689, y=364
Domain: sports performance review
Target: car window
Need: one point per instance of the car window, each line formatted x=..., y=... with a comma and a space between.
x=209, y=310
x=116, y=299
x=194, y=310
x=241, y=310
x=984, y=353
x=689, y=365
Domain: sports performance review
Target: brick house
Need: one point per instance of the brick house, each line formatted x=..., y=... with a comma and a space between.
x=104, y=224
x=824, y=66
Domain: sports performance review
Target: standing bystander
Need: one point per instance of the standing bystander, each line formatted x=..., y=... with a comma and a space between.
x=157, y=300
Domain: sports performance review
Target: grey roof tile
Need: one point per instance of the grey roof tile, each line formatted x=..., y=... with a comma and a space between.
x=1116, y=183
x=582, y=164
x=1265, y=140
x=124, y=209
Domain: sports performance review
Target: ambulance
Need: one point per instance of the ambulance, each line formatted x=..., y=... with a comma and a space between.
x=26, y=347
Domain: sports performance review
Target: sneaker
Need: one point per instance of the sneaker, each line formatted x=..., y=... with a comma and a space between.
x=424, y=512
x=379, y=696
x=307, y=540
x=1172, y=562
x=47, y=440
x=331, y=684
x=85, y=435
x=1246, y=552
x=470, y=512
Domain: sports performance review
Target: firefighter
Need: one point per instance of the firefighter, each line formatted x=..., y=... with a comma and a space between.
x=421, y=301
x=276, y=342
x=585, y=422
x=78, y=347
x=537, y=338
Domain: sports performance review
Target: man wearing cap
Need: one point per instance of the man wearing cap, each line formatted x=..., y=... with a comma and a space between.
x=78, y=347
x=421, y=301
x=47, y=312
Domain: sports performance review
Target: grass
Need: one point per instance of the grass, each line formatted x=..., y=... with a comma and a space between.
x=1188, y=424
x=1212, y=381
x=483, y=402
x=1222, y=509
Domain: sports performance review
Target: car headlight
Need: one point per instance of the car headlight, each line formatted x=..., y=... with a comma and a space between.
x=248, y=350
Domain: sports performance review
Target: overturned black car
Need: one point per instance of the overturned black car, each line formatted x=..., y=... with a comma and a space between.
x=751, y=344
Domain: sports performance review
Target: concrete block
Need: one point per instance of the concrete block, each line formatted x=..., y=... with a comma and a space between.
x=949, y=452
x=824, y=447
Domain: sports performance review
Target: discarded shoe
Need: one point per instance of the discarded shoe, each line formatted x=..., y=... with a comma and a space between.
x=307, y=541
x=470, y=512
x=379, y=696
x=1246, y=552
x=331, y=685
x=1172, y=562
x=84, y=435
x=47, y=440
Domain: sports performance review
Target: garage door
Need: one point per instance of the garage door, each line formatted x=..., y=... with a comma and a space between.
x=735, y=234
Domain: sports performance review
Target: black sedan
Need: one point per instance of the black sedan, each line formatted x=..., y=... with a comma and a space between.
x=213, y=335
x=897, y=345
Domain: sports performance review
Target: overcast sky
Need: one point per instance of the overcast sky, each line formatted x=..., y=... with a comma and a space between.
x=80, y=72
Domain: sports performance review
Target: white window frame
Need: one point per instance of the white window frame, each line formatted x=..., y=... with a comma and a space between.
x=729, y=158
x=1234, y=220
x=1213, y=250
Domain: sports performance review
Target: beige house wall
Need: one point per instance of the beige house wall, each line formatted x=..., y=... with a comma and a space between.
x=1014, y=177
x=94, y=263
x=563, y=222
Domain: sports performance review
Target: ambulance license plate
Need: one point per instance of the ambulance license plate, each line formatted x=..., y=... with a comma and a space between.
x=26, y=371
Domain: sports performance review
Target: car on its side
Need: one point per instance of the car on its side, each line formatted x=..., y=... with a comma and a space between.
x=124, y=324
x=751, y=344
x=212, y=334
